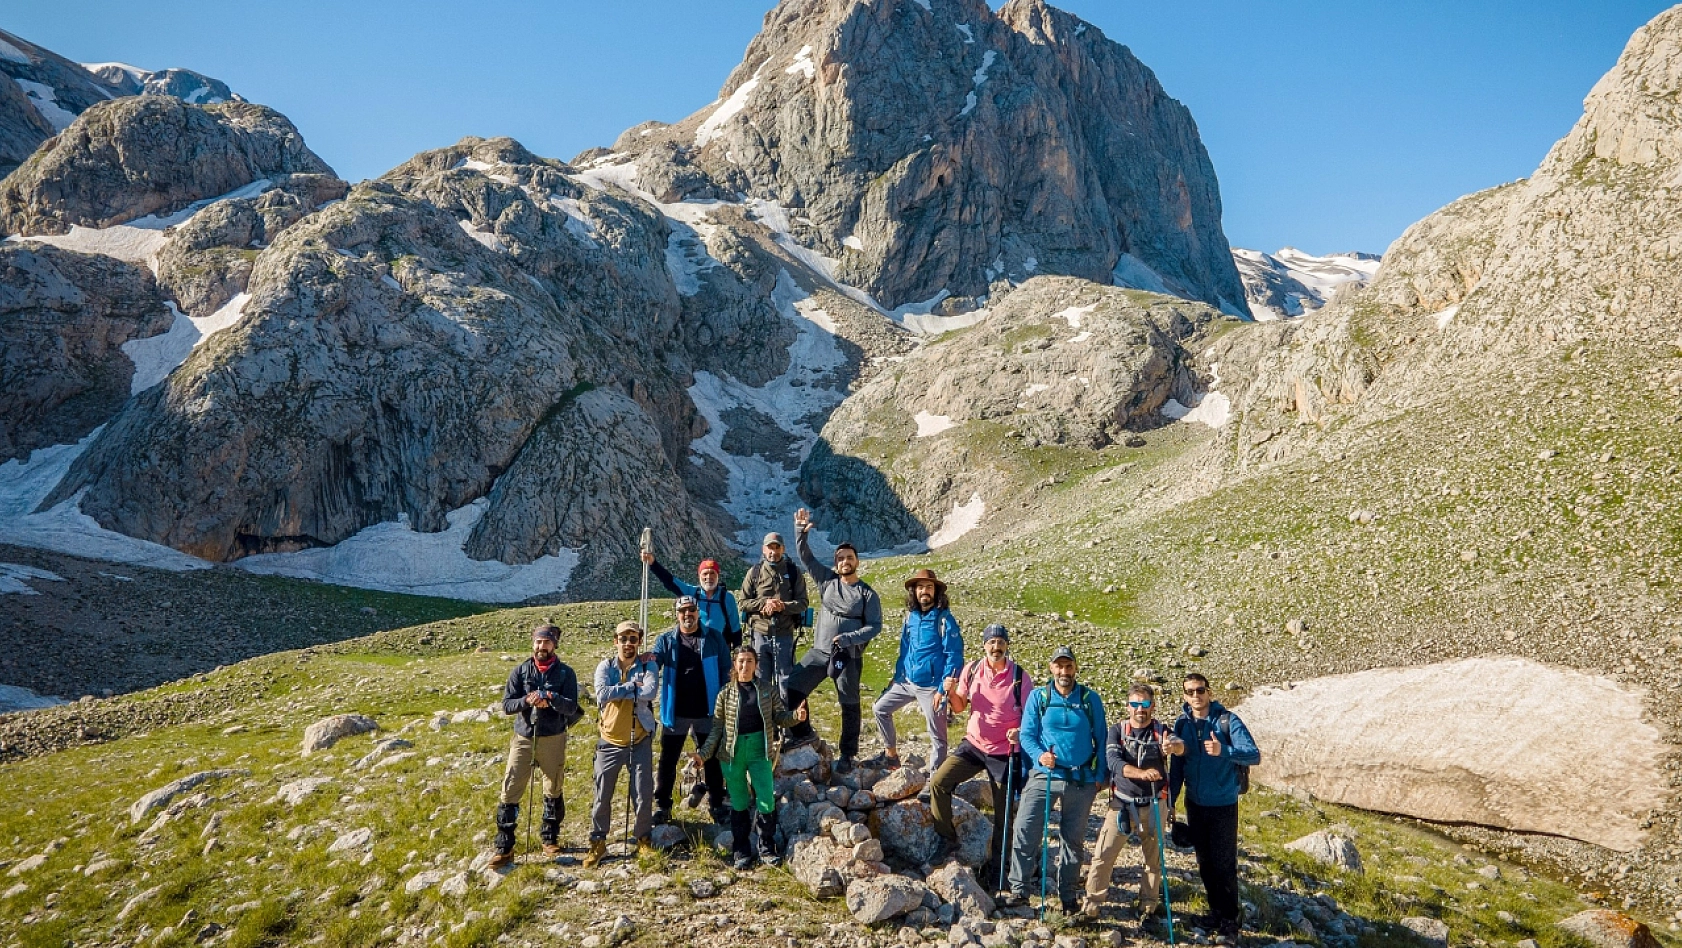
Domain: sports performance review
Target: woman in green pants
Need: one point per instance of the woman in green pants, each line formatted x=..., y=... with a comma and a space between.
x=739, y=741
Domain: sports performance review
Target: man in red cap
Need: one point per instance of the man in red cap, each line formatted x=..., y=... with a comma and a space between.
x=931, y=653
x=717, y=604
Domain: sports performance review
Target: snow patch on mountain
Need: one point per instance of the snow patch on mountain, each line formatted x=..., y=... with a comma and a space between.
x=963, y=518
x=713, y=127
x=45, y=100
x=15, y=577
x=1291, y=283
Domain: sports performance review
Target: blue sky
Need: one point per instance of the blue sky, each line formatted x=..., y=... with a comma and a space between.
x=1332, y=125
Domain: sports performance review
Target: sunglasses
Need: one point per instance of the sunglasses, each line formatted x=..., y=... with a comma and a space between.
x=1138, y=704
x=629, y=638
x=686, y=609
x=1197, y=691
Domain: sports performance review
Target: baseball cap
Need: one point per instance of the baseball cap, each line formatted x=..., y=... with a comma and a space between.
x=772, y=537
x=685, y=602
x=995, y=631
x=1063, y=651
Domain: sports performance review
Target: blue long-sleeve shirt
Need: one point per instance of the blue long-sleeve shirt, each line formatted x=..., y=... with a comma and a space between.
x=1210, y=781
x=718, y=610
x=931, y=648
x=1072, y=726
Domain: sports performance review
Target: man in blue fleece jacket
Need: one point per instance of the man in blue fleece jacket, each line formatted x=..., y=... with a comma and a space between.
x=1217, y=745
x=931, y=653
x=1063, y=733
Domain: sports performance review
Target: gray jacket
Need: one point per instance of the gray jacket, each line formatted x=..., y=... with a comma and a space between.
x=640, y=686
x=849, y=614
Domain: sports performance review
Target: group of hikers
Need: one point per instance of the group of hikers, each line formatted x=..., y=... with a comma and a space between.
x=725, y=681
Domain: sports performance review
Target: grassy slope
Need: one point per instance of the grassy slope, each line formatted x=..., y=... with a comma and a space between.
x=269, y=878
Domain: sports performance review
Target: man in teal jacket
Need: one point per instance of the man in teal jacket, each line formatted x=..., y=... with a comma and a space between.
x=1063, y=733
x=931, y=653
x=717, y=603
x=1218, y=745
x=694, y=662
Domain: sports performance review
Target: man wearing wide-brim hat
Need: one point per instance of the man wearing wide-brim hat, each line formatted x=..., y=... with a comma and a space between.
x=931, y=653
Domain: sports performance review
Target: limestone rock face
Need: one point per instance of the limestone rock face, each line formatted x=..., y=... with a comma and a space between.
x=932, y=149
x=1059, y=362
x=63, y=320
x=184, y=84
x=130, y=157
x=41, y=93
x=1516, y=770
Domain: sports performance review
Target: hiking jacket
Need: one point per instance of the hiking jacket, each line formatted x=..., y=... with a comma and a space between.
x=721, y=743
x=718, y=611
x=931, y=648
x=1125, y=746
x=1072, y=725
x=1211, y=781
x=611, y=686
x=781, y=580
x=715, y=668
x=563, y=710
x=850, y=614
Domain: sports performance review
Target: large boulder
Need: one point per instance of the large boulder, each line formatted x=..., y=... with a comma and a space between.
x=906, y=830
x=1392, y=752
x=132, y=157
x=161, y=797
x=812, y=860
x=880, y=898
x=328, y=731
x=64, y=319
x=1604, y=928
x=1328, y=848
x=957, y=884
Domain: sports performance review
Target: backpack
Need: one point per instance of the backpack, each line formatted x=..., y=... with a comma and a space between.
x=1243, y=769
x=1015, y=684
x=789, y=571
x=1091, y=717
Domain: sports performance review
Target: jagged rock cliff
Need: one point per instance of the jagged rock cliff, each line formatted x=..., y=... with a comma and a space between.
x=933, y=148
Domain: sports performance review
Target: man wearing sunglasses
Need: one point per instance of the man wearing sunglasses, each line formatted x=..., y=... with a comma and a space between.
x=626, y=682
x=1138, y=750
x=1217, y=744
x=694, y=663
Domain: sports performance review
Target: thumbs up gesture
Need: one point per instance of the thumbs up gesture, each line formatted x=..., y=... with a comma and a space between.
x=1212, y=746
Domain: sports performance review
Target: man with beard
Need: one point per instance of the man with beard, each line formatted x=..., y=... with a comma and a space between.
x=994, y=689
x=693, y=664
x=774, y=602
x=851, y=615
x=1139, y=748
x=931, y=651
x=716, y=603
x=542, y=695
x=626, y=683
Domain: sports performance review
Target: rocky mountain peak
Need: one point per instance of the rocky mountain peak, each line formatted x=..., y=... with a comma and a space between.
x=929, y=149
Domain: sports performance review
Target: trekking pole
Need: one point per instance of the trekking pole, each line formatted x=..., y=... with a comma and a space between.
x=1006, y=854
x=647, y=544
x=1162, y=867
x=528, y=793
x=1045, y=835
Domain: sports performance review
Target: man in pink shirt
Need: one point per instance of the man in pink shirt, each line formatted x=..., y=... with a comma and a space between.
x=993, y=689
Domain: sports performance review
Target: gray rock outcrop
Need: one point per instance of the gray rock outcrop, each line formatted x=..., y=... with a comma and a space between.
x=1604, y=928
x=41, y=93
x=141, y=155
x=161, y=797
x=64, y=318
x=934, y=148
x=1059, y=362
x=1328, y=848
x=195, y=88
x=329, y=730
x=884, y=897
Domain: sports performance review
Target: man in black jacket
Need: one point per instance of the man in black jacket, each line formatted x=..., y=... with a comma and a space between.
x=542, y=694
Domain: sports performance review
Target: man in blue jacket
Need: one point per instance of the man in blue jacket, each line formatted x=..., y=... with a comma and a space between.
x=1063, y=734
x=717, y=604
x=931, y=653
x=1212, y=772
x=694, y=663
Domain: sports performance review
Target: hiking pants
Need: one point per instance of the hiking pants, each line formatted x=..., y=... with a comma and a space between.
x=749, y=776
x=671, y=749
x=776, y=659
x=935, y=715
x=610, y=759
x=1214, y=834
x=550, y=755
x=1113, y=836
x=962, y=764
x=1074, y=805
x=814, y=667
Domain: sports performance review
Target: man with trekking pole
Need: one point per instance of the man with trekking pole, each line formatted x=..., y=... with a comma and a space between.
x=694, y=664
x=1063, y=736
x=850, y=615
x=626, y=683
x=1213, y=772
x=542, y=696
x=1138, y=751
x=994, y=689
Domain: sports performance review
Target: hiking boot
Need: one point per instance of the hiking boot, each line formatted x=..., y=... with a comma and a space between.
x=767, y=825
x=645, y=847
x=1070, y=907
x=721, y=815
x=881, y=762
x=796, y=741
x=554, y=811
x=500, y=859
x=598, y=852
x=741, y=831
x=507, y=822
x=1229, y=931
x=662, y=815
x=845, y=765
x=1091, y=908
x=1009, y=899
x=695, y=794
x=741, y=862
